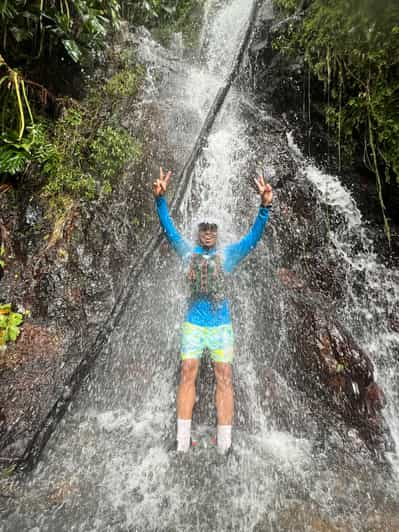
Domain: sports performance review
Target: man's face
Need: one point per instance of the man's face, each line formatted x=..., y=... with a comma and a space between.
x=207, y=235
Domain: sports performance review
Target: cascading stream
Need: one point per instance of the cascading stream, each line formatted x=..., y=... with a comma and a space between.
x=372, y=289
x=107, y=467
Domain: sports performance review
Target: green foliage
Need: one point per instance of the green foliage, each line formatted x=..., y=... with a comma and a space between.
x=10, y=323
x=87, y=154
x=82, y=154
x=31, y=32
x=12, y=159
x=16, y=154
x=290, y=6
x=156, y=12
x=165, y=16
x=352, y=47
x=111, y=150
x=123, y=83
x=15, y=137
x=32, y=29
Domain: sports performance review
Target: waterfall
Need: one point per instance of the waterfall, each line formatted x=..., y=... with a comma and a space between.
x=372, y=288
x=107, y=467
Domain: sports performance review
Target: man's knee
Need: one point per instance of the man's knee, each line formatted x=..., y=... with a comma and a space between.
x=224, y=375
x=189, y=371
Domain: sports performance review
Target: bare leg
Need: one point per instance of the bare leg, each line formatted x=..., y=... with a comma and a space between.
x=186, y=391
x=224, y=393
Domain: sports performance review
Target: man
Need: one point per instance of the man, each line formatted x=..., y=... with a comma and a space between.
x=208, y=323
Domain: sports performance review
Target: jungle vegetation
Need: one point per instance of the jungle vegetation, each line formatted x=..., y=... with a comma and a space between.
x=46, y=49
x=352, y=48
x=60, y=133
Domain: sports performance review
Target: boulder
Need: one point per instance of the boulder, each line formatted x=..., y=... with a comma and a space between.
x=328, y=364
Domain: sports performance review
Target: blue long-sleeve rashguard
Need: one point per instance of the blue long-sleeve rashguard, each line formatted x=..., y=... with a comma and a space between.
x=202, y=311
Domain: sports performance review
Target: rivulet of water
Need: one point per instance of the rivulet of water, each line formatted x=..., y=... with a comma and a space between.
x=108, y=467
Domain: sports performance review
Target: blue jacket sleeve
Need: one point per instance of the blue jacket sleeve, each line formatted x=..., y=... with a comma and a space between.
x=235, y=253
x=181, y=246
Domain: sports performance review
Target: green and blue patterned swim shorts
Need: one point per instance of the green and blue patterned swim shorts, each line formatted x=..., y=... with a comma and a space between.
x=218, y=340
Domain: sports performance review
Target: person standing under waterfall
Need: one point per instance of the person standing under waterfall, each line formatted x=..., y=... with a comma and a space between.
x=207, y=324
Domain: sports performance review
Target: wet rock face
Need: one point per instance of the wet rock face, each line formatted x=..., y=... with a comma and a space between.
x=69, y=275
x=31, y=375
x=69, y=282
x=329, y=363
x=322, y=359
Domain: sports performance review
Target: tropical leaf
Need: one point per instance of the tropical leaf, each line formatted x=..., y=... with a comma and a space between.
x=12, y=159
x=169, y=9
x=73, y=49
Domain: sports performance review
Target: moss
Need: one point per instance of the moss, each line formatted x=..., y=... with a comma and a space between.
x=111, y=149
x=124, y=83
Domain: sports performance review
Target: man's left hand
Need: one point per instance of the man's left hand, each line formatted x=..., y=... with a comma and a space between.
x=265, y=191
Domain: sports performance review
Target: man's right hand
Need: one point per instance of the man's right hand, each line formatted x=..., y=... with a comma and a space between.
x=160, y=185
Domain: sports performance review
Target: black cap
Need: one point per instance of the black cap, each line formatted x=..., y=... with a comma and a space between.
x=205, y=226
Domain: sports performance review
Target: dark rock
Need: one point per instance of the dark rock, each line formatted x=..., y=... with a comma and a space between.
x=329, y=364
x=323, y=360
x=69, y=276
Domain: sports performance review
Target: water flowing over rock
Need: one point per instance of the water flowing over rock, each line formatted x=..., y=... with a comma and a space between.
x=328, y=362
x=313, y=366
x=330, y=365
x=69, y=276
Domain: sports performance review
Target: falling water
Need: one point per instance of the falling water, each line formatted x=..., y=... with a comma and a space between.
x=107, y=467
x=372, y=289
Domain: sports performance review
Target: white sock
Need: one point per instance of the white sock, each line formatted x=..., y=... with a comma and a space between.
x=224, y=437
x=183, y=434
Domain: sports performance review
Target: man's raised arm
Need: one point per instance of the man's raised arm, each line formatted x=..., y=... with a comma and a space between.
x=159, y=187
x=235, y=253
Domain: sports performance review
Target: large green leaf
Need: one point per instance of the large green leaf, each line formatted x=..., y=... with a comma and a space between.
x=73, y=49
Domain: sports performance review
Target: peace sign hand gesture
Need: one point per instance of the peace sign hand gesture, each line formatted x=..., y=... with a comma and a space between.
x=160, y=185
x=265, y=191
